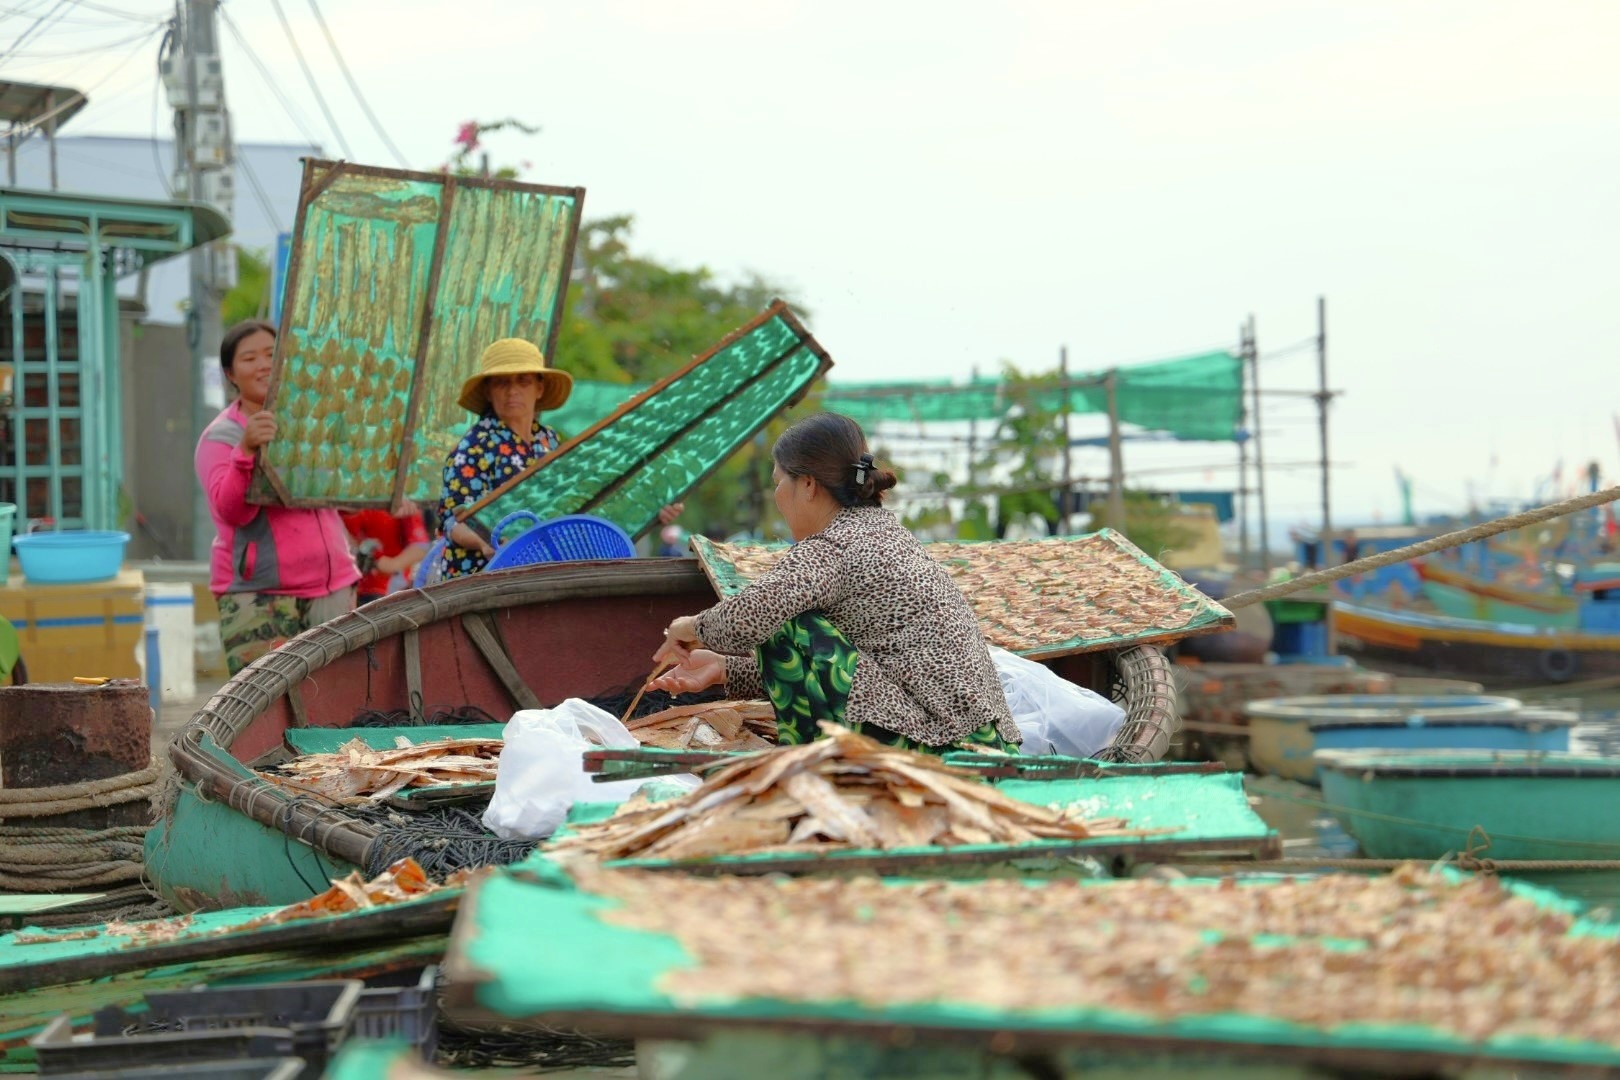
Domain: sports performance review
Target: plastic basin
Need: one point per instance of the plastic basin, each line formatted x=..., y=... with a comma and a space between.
x=64, y=557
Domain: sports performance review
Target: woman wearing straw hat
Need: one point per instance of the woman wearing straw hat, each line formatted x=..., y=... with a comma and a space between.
x=508, y=392
x=512, y=386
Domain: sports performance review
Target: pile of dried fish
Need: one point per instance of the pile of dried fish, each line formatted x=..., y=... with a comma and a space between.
x=1035, y=593
x=712, y=725
x=1410, y=948
x=404, y=880
x=356, y=774
x=841, y=791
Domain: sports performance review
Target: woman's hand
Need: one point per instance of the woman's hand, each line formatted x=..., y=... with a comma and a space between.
x=679, y=641
x=669, y=513
x=700, y=670
x=260, y=429
x=465, y=536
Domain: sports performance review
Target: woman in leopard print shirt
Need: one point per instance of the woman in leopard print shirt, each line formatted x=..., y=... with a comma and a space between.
x=855, y=624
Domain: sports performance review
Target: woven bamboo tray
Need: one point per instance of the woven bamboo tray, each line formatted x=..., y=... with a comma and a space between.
x=1039, y=598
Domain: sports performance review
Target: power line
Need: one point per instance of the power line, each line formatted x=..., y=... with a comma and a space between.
x=376, y=125
x=309, y=77
x=33, y=27
x=83, y=95
x=287, y=106
x=87, y=50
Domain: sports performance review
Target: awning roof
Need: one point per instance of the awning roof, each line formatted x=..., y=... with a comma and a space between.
x=150, y=229
x=32, y=104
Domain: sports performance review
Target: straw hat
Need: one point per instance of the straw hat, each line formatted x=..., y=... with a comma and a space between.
x=514, y=356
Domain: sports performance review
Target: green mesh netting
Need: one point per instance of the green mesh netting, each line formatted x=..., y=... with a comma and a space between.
x=668, y=438
x=1194, y=397
x=365, y=408
x=1198, y=397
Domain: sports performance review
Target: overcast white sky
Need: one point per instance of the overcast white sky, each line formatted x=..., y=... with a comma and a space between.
x=947, y=184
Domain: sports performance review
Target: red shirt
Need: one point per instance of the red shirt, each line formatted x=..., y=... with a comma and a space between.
x=393, y=535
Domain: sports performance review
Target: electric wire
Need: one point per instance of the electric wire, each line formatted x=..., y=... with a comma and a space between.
x=287, y=106
x=309, y=77
x=365, y=106
x=33, y=28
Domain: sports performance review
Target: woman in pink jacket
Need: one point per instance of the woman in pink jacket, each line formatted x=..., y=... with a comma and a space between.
x=276, y=571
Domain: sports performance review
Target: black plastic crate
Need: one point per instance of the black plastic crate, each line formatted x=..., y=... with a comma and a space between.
x=58, y=1052
x=289, y=1068
x=410, y=1013
x=307, y=1020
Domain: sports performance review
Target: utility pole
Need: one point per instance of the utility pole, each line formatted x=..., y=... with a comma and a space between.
x=203, y=173
x=1323, y=397
x=1251, y=356
x=1068, y=477
x=1116, y=460
x=1244, y=492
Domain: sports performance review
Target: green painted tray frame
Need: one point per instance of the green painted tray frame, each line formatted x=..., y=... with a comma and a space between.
x=663, y=442
x=396, y=282
x=1208, y=617
x=636, y=763
x=528, y=946
x=1210, y=813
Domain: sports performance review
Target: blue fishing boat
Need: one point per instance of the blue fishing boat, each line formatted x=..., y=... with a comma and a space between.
x=1285, y=732
x=1414, y=804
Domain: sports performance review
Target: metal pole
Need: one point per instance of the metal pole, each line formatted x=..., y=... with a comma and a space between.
x=1068, y=477
x=1243, y=453
x=1251, y=352
x=50, y=132
x=1322, y=399
x=1116, y=460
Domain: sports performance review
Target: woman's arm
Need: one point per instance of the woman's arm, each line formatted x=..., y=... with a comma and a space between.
x=810, y=577
x=459, y=472
x=225, y=470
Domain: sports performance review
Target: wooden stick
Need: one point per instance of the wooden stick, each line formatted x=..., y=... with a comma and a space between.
x=657, y=671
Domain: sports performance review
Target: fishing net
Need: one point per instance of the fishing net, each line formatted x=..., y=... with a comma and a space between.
x=530, y=1047
x=444, y=839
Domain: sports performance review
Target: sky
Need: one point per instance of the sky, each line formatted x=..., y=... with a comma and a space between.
x=947, y=186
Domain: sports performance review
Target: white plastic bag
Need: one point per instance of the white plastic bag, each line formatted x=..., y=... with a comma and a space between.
x=540, y=775
x=1054, y=715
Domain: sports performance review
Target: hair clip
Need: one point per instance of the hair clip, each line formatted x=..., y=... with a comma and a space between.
x=862, y=467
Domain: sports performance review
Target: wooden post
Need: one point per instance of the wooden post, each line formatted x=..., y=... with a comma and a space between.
x=1251, y=354
x=1116, y=460
x=1068, y=478
x=1243, y=496
x=1323, y=397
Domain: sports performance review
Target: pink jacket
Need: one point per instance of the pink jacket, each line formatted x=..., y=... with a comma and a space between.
x=266, y=549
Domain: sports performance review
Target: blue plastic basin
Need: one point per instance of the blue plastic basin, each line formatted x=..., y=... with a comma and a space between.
x=65, y=557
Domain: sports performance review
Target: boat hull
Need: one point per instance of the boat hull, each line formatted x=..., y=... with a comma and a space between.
x=1525, y=813
x=1497, y=654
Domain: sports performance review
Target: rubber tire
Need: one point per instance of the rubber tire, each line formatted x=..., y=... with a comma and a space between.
x=1558, y=665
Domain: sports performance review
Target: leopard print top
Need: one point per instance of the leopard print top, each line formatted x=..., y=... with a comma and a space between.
x=924, y=670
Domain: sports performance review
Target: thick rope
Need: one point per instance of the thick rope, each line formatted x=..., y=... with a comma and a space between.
x=58, y=859
x=1426, y=547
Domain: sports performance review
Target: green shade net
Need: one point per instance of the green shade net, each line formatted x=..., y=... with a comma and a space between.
x=668, y=438
x=1194, y=397
x=365, y=407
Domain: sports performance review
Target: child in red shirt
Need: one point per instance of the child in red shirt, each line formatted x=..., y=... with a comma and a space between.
x=385, y=545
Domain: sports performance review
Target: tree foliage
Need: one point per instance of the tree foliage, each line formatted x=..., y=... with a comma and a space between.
x=250, y=298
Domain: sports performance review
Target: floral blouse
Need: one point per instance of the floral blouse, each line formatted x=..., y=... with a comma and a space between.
x=486, y=457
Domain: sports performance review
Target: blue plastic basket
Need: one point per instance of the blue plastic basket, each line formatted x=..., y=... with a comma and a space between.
x=77, y=555
x=573, y=538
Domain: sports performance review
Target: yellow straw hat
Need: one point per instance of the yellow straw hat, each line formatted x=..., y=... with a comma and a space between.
x=514, y=356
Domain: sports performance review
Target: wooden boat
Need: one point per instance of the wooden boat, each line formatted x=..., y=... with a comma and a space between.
x=1495, y=653
x=1464, y=596
x=1424, y=804
x=1284, y=732
x=496, y=642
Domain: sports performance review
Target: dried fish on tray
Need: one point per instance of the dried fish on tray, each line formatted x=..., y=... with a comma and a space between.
x=844, y=791
x=711, y=725
x=1036, y=597
x=356, y=774
x=1464, y=958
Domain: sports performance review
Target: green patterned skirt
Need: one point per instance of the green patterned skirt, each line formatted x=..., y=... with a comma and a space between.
x=808, y=669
